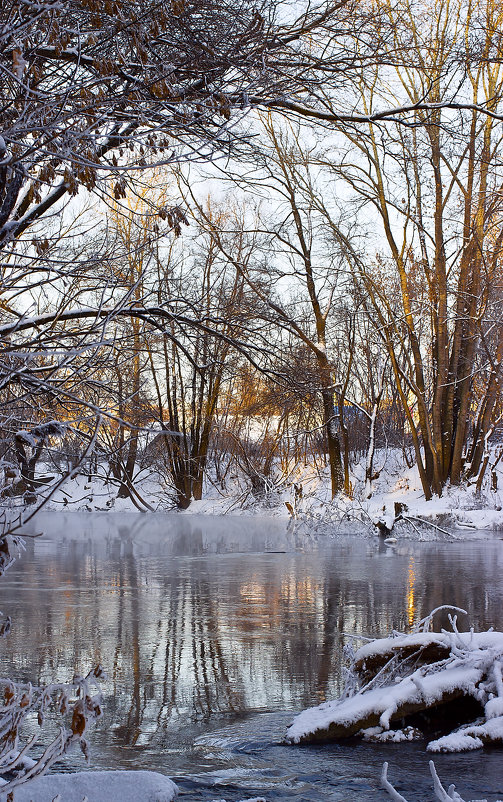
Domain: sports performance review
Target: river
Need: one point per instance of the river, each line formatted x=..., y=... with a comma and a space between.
x=215, y=631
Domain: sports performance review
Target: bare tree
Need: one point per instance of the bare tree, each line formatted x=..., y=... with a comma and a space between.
x=294, y=238
x=437, y=194
x=190, y=368
x=429, y=184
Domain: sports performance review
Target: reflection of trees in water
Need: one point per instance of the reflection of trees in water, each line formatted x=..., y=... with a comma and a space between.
x=168, y=635
x=128, y=578
x=473, y=584
x=198, y=669
x=185, y=638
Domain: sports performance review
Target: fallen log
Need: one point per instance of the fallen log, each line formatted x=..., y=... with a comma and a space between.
x=395, y=679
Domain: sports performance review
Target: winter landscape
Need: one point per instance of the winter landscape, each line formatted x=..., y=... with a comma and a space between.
x=251, y=414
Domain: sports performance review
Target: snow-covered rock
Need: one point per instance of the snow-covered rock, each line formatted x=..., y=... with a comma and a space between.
x=99, y=786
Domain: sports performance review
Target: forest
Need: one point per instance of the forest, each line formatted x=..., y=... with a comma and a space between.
x=311, y=239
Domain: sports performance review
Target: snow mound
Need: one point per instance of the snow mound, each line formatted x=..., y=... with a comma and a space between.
x=393, y=679
x=98, y=786
x=471, y=737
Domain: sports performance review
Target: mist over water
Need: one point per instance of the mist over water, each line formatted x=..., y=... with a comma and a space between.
x=215, y=631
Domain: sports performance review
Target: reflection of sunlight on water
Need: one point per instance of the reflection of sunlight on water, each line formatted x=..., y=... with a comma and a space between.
x=69, y=609
x=252, y=592
x=411, y=600
x=304, y=592
x=114, y=585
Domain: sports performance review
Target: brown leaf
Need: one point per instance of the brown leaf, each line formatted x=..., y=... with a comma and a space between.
x=78, y=724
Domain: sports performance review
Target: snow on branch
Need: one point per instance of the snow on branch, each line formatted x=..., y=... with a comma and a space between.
x=78, y=702
x=451, y=795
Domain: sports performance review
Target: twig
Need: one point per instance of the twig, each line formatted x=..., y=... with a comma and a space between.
x=388, y=787
x=423, y=521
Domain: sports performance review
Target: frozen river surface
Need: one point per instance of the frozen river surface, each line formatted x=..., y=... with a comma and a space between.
x=215, y=631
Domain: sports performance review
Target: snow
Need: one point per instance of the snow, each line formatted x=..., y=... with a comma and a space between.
x=11, y=760
x=470, y=737
x=494, y=708
x=99, y=786
x=466, y=664
x=380, y=735
x=460, y=513
x=382, y=646
x=383, y=703
x=26, y=437
x=465, y=640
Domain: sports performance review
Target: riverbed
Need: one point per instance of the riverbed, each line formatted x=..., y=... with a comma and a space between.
x=216, y=631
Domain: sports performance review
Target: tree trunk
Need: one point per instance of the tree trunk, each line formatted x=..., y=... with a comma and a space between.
x=333, y=442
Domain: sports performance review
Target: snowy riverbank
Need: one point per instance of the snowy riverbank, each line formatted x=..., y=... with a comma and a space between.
x=303, y=496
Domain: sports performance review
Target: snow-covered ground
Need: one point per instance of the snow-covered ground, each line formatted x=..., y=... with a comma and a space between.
x=304, y=496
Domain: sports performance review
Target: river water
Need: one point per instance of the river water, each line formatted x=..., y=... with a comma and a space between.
x=215, y=631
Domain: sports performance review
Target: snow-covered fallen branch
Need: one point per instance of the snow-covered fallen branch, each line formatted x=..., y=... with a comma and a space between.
x=444, y=677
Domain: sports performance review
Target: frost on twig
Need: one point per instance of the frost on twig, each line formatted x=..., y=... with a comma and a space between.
x=446, y=684
x=440, y=794
x=77, y=704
